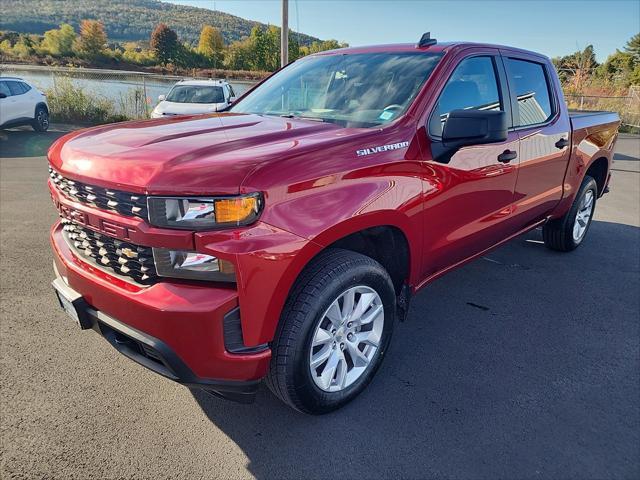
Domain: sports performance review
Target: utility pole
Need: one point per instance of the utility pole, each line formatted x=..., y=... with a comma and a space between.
x=284, y=34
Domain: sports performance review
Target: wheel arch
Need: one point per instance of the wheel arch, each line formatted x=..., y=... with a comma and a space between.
x=386, y=244
x=368, y=234
x=38, y=105
x=598, y=169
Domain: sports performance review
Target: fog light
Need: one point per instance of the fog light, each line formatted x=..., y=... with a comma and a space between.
x=192, y=265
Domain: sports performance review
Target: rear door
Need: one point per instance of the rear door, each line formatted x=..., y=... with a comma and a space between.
x=468, y=199
x=21, y=103
x=544, y=133
x=6, y=111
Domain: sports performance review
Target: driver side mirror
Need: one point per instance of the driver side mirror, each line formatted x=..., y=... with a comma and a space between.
x=470, y=127
x=161, y=97
x=231, y=100
x=3, y=95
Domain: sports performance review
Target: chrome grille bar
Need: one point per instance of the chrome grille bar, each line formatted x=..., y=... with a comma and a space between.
x=124, y=203
x=120, y=257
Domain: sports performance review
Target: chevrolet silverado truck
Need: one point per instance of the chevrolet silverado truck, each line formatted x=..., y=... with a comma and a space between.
x=283, y=238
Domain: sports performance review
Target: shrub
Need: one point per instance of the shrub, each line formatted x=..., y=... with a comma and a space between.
x=71, y=104
x=133, y=104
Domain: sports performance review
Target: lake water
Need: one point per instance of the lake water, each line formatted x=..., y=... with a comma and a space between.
x=110, y=84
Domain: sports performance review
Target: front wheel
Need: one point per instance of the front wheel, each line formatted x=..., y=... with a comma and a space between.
x=567, y=233
x=40, y=122
x=334, y=332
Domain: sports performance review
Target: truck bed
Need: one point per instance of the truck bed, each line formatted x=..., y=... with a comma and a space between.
x=581, y=119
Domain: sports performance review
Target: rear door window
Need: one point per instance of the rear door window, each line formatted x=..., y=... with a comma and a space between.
x=4, y=88
x=472, y=86
x=16, y=88
x=529, y=80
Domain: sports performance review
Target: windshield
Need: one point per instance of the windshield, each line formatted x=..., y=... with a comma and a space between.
x=353, y=90
x=196, y=94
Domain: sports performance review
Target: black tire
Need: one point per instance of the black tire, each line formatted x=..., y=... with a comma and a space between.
x=558, y=234
x=330, y=274
x=40, y=121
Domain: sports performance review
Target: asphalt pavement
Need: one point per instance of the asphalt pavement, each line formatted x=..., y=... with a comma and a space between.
x=522, y=364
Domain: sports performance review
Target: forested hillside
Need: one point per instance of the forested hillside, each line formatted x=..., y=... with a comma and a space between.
x=125, y=19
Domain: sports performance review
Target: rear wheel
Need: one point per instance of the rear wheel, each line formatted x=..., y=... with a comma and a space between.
x=334, y=332
x=41, y=120
x=567, y=233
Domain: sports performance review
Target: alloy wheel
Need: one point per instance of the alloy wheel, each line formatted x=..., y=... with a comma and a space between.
x=43, y=119
x=346, y=338
x=585, y=210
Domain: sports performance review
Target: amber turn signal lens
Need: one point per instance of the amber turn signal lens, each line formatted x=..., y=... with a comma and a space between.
x=236, y=210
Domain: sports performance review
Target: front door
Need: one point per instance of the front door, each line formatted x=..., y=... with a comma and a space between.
x=468, y=200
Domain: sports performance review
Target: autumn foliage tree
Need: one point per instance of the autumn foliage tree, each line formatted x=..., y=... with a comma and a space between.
x=93, y=39
x=164, y=43
x=59, y=41
x=575, y=69
x=211, y=44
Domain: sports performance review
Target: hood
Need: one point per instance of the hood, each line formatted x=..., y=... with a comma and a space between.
x=201, y=155
x=175, y=108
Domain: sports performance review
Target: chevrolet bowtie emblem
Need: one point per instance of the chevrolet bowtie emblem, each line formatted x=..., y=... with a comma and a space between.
x=129, y=253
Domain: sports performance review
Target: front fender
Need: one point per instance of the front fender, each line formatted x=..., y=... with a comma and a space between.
x=308, y=215
x=269, y=260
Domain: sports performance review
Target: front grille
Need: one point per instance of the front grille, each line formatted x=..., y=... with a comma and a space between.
x=123, y=258
x=129, y=204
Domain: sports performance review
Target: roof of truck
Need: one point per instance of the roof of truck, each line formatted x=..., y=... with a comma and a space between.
x=412, y=47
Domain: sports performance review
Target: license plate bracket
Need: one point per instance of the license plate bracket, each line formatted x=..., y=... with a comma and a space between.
x=72, y=303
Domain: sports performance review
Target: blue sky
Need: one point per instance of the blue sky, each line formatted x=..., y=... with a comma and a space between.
x=552, y=27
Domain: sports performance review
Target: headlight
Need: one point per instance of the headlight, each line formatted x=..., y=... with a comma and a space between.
x=204, y=213
x=192, y=265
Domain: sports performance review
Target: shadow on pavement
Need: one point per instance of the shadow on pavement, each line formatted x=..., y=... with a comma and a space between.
x=24, y=142
x=620, y=156
x=520, y=364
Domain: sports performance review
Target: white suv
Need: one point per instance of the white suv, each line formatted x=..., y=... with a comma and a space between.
x=189, y=97
x=22, y=104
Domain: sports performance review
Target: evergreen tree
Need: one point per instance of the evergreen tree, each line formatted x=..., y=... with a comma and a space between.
x=633, y=47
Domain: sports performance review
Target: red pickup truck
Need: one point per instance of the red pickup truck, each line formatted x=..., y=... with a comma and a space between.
x=283, y=238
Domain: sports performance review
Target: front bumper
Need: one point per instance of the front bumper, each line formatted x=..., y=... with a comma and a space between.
x=174, y=328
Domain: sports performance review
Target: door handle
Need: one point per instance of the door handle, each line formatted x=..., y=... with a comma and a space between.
x=563, y=142
x=507, y=156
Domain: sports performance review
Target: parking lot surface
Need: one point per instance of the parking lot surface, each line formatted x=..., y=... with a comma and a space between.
x=522, y=364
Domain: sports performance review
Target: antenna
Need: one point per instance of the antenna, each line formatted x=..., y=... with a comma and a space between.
x=426, y=40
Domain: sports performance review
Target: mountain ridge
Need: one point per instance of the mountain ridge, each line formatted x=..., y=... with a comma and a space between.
x=127, y=19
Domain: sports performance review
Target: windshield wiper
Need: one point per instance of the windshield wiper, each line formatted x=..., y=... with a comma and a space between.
x=302, y=117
